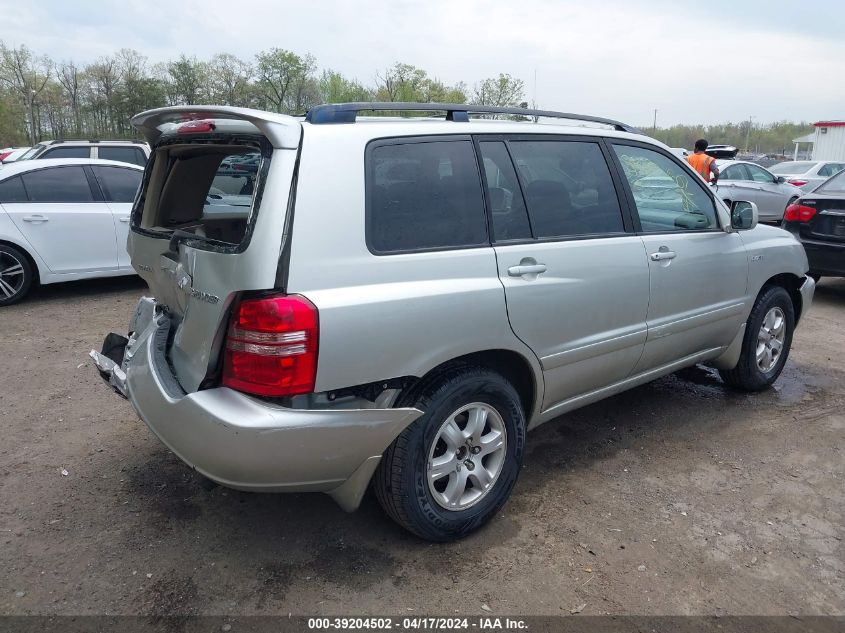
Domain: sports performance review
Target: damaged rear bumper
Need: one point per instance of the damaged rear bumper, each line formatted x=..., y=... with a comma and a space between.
x=244, y=442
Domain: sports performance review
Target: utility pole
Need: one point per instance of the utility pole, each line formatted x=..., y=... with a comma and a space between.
x=655, y=121
x=748, y=133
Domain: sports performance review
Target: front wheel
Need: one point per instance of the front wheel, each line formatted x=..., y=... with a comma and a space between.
x=450, y=471
x=768, y=338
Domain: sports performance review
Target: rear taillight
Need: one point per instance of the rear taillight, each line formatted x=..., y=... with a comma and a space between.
x=799, y=213
x=3, y=155
x=797, y=182
x=271, y=346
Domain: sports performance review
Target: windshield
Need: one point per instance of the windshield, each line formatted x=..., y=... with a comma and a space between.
x=792, y=167
x=835, y=184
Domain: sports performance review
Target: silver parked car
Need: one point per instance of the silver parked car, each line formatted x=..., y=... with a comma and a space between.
x=807, y=174
x=742, y=180
x=402, y=299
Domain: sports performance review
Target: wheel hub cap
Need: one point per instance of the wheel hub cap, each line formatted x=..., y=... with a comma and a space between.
x=770, y=339
x=466, y=456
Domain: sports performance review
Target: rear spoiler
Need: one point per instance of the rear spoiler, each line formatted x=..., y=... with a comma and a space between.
x=281, y=130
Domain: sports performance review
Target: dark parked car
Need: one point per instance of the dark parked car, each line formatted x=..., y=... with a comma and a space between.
x=817, y=219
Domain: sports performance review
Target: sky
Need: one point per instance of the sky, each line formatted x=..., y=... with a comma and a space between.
x=702, y=61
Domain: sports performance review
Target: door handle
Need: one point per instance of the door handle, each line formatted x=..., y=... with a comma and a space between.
x=35, y=218
x=124, y=218
x=660, y=256
x=526, y=269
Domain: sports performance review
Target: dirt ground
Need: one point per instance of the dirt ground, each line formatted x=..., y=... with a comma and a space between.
x=678, y=497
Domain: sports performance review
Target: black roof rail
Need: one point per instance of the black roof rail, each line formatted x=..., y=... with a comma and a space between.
x=348, y=112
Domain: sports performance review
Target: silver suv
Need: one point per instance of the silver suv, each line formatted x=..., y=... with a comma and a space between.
x=123, y=151
x=342, y=301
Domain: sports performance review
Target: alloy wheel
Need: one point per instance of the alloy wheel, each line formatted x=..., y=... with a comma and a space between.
x=770, y=339
x=11, y=275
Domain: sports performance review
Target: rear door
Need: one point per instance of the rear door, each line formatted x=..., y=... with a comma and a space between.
x=698, y=272
x=576, y=281
x=119, y=186
x=65, y=220
x=197, y=253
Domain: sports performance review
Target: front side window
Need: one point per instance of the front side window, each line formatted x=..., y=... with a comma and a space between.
x=507, y=208
x=11, y=190
x=118, y=185
x=57, y=184
x=758, y=174
x=424, y=195
x=67, y=152
x=667, y=197
x=568, y=188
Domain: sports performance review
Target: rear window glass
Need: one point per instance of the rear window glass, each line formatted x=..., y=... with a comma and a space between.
x=118, y=185
x=568, y=188
x=424, y=196
x=11, y=190
x=202, y=188
x=834, y=185
x=67, y=152
x=792, y=167
x=123, y=154
x=58, y=184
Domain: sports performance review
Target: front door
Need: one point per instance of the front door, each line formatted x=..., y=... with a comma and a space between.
x=67, y=227
x=576, y=282
x=698, y=272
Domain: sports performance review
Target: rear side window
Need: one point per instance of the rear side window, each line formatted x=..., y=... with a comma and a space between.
x=830, y=169
x=11, y=190
x=668, y=198
x=123, y=154
x=118, y=185
x=568, y=188
x=424, y=195
x=67, y=152
x=58, y=184
x=734, y=172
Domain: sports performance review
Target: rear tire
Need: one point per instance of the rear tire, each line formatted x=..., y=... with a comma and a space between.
x=16, y=275
x=766, y=344
x=471, y=434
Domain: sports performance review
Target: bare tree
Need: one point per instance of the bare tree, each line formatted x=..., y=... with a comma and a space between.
x=27, y=76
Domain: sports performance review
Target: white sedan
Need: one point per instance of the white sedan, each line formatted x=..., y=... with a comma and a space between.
x=807, y=174
x=742, y=180
x=62, y=220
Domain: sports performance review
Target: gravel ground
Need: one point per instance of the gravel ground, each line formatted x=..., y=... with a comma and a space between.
x=678, y=497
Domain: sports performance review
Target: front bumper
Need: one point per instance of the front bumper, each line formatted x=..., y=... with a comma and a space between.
x=807, y=290
x=244, y=442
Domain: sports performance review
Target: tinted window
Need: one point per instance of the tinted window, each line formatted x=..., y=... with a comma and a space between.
x=830, y=169
x=118, y=185
x=667, y=197
x=11, y=190
x=57, y=184
x=507, y=208
x=758, y=174
x=424, y=195
x=568, y=188
x=67, y=152
x=123, y=154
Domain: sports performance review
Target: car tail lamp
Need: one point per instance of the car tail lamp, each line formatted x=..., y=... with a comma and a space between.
x=799, y=213
x=271, y=346
x=3, y=155
x=797, y=182
x=196, y=127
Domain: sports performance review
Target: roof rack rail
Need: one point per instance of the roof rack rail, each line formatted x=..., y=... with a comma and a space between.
x=348, y=112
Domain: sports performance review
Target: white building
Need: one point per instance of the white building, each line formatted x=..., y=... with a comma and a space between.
x=829, y=141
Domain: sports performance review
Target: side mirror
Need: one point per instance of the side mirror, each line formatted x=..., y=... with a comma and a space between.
x=780, y=180
x=744, y=215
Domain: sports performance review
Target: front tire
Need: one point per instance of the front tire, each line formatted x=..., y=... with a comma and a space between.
x=16, y=275
x=767, y=341
x=450, y=471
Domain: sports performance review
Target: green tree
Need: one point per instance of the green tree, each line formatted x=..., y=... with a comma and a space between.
x=285, y=80
x=335, y=88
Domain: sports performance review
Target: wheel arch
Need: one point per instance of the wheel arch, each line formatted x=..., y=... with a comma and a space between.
x=513, y=366
x=792, y=284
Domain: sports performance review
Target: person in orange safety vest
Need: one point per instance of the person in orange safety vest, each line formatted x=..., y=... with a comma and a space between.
x=702, y=163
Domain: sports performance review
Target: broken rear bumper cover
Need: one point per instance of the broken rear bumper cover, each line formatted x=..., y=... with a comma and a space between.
x=244, y=442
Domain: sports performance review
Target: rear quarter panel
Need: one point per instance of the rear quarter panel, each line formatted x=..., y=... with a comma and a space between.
x=392, y=315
